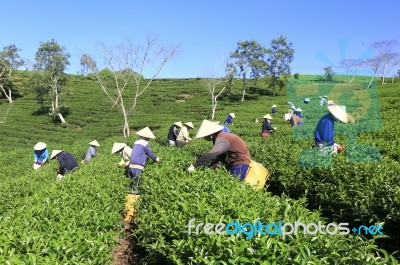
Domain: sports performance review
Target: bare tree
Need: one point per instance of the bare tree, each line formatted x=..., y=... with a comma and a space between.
x=127, y=64
x=351, y=66
x=212, y=84
x=394, y=65
x=373, y=63
x=384, y=49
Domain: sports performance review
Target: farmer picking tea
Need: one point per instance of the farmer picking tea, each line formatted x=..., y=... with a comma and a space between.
x=266, y=128
x=40, y=155
x=325, y=130
x=140, y=151
x=183, y=136
x=173, y=133
x=125, y=151
x=67, y=162
x=91, y=152
x=228, y=148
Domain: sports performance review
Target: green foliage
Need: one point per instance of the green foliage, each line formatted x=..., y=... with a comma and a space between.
x=329, y=73
x=77, y=220
x=296, y=75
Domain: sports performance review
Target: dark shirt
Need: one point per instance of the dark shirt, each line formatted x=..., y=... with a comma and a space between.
x=67, y=162
x=229, y=149
x=274, y=110
x=228, y=120
x=173, y=133
x=266, y=126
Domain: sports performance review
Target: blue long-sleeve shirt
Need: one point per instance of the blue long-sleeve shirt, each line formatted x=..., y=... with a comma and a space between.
x=325, y=130
x=228, y=120
x=40, y=156
x=140, y=151
x=91, y=152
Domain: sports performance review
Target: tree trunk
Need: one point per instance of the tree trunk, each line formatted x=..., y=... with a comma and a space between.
x=244, y=87
x=370, y=82
x=214, y=107
x=61, y=117
x=273, y=87
x=9, y=97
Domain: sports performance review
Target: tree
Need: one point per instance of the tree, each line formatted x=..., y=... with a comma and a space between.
x=127, y=63
x=49, y=78
x=211, y=83
x=385, y=54
x=9, y=61
x=280, y=55
x=247, y=56
x=329, y=73
x=395, y=65
x=375, y=64
x=351, y=66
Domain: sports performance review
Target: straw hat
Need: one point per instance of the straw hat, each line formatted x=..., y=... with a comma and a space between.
x=116, y=147
x=189, y=124
x=146, y=133
x=298, y=110
x=208, y=128
x=232, y=114
x=54, y=153
x=306, y=99
x=290, y=103
x=179, y=124
x=325, y=96
x=94, y=143
x=274, y=106
x=267, y=117
x=339, y=112
x=39, y=146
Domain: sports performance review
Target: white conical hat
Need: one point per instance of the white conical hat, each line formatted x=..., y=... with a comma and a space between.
x=117, y=146
x=54, y=153
x=325, y=96
x=39, y=146
x=298, y=110
x=306, y=99
x=232, y=114
x=208, y=128
x=94, y=143
x=267, y=117
x=274, y=106
x=146, y=132
x=190, y=124
x=179, y=124
x=339, y=112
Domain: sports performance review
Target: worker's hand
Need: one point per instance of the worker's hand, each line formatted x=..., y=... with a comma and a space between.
x=58, y=171
x=42, y=164
x=190, y=169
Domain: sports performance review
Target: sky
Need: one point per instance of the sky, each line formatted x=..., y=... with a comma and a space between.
x=322, y=32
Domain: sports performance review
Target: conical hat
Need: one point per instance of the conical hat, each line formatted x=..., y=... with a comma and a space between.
x=339, y=112
x=179, y=124
x=208, y=128
x=39, y=146
x=274, y=106
x=307, y=99
x=116, y=147
x=54, y=153
x=298, y=110
x=146, y=132
x=94, y=143
x=232, y=114
x=267, y=117
x=189, y=124
x=325, y=96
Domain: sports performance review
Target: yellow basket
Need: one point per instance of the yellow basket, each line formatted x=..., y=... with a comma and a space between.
x=130, y=207
x=257, y=175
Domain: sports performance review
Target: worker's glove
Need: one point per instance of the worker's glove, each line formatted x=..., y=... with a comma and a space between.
x=59, y=177
x=158, y=160
x=190, y=169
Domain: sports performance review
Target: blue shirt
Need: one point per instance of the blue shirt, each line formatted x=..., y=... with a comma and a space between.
x=324, y=131
x=228, y=120
x=41, y=156
x=140, y=151
x=274, y=110
x=91, y=152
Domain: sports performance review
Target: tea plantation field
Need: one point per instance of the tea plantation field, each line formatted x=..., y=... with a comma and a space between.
x=79, y=220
